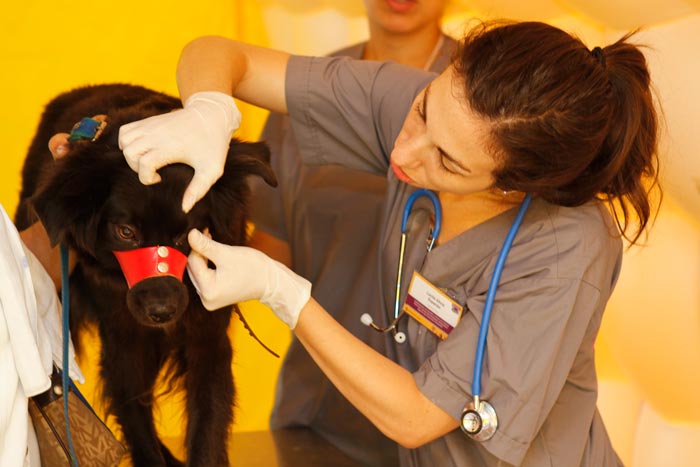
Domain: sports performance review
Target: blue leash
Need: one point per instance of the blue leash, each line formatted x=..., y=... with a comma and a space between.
x=65, y=379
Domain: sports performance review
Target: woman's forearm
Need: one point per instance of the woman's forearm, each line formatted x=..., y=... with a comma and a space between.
x=253, y=74
x=382, y=390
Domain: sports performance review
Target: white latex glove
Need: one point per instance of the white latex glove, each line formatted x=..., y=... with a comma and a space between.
x=197, y=135
x=244, y=273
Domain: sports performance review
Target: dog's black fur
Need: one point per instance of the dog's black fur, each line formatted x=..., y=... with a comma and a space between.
x=93, y=202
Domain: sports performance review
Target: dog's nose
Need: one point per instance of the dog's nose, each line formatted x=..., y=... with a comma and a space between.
x=161, y=314
x=157, y=301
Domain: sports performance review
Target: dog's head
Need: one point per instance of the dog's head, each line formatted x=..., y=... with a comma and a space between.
x=94, y=203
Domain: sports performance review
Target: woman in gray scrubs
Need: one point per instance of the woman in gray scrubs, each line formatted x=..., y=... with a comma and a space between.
x=524, y=108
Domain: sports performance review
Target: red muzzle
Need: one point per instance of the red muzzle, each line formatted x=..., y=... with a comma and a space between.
x=153, y=261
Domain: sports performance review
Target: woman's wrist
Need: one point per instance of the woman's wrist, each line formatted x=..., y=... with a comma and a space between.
x=286, y=293
x=217, y=102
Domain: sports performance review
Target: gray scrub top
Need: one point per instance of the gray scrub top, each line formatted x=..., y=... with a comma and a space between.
x=539, y=369
x=330, y=216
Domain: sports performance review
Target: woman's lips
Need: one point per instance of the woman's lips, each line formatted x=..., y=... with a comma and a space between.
x=400, y=174
x=400, y=6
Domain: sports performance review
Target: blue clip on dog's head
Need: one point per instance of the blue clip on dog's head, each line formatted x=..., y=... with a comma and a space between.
x=87, y=128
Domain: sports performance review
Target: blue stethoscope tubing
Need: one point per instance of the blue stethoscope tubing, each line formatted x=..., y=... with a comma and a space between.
x=436, y=206
x=491, y=295
x=435, y=232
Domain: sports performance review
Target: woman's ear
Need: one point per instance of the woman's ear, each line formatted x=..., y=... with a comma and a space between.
x=59, y=145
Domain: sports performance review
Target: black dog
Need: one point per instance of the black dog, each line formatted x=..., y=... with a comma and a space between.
x=93, y=202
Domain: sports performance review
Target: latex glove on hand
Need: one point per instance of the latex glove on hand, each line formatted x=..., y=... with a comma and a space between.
x=197, y=135
x=244, y=273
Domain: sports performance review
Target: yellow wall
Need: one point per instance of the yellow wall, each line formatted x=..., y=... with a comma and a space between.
x=48, y=47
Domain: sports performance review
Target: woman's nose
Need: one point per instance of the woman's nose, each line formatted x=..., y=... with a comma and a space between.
x=410, y=149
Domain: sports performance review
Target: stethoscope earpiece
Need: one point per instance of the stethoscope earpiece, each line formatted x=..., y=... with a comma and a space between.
x=479, y=420
x=366, y=319
x=399, y=336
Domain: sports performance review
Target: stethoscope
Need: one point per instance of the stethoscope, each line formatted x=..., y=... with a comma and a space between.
x=479, y=420
x=400, y=336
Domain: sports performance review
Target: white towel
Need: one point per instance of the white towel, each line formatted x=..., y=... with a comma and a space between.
x=30, y=341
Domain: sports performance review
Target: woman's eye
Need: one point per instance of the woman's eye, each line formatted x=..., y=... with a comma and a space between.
x=419, y=110
x=441, y=158
x=126, y=232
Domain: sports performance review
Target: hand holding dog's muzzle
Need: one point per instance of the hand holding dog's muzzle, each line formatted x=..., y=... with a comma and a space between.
x=242, y=274
x=197, y=135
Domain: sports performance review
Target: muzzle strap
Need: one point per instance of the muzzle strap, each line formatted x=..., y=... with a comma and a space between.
x=154, y=261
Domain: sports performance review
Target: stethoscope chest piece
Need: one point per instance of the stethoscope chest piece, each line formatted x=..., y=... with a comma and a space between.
x=479, y=421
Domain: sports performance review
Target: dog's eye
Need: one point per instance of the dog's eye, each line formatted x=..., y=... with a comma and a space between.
x=126, y=232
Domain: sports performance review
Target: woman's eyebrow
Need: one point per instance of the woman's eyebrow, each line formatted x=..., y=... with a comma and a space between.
x=425, y=120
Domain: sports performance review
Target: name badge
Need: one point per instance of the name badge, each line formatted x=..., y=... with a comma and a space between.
x=431, y=307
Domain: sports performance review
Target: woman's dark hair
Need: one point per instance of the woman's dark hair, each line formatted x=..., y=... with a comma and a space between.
x=567, y=124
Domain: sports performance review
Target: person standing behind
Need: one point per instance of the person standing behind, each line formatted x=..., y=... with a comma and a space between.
x=323, y=222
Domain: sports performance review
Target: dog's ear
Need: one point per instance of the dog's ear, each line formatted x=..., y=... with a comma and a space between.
x=70, y=196
x=245, y=159
x=228, y=197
